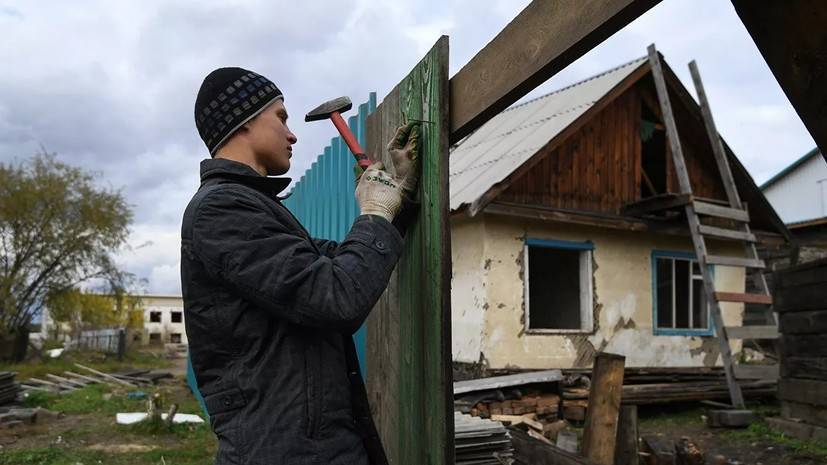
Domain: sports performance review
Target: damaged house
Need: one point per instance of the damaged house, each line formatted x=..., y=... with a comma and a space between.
x=554, y=256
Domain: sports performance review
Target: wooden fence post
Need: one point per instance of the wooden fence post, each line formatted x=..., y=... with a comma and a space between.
x=600, y=429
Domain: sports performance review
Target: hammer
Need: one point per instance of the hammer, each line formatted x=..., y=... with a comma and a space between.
x=332, y=109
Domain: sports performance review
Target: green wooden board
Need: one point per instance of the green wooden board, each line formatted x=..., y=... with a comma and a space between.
x=409, y=332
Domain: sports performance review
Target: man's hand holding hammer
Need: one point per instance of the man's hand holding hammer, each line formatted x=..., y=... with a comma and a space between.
x=380, y=190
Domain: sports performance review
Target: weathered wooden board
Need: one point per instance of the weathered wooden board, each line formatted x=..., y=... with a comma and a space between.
x=804, y=345
x=804, y=367
x=544, y=38
x=812, y=322
x=409, y=333
x=804, y=391
x=627, y=445
x=807, y=273
x=805, y=412
x=798, y=298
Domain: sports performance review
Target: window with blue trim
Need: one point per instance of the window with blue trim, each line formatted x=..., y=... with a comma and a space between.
x=558, y=286
x=680, y=304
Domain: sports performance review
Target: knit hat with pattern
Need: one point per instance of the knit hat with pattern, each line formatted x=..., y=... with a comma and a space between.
x=228, y=98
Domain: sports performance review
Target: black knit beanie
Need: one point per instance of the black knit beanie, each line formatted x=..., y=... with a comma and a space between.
x=228, y=98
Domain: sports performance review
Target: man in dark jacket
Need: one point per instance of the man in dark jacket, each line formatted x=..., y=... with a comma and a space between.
x=270, y=311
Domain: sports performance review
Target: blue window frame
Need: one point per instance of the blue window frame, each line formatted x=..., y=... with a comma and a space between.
x=558, y=286
x=679, y=304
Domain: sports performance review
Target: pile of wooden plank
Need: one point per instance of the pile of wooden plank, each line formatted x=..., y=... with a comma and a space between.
x=69, y=381
x=8, y=388
x=478, y=441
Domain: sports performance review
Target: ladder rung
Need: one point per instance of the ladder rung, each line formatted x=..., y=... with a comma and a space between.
x=752, y=332
x=703, y=208
x=735, y=261
x=744, y=298
x=756, y=371
x=726, y=233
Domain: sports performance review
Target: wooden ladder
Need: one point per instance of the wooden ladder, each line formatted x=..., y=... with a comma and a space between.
x=735, y=212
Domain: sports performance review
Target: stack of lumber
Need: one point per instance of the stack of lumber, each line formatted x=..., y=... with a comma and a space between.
x=480, y=442
x=537, y=413
x=800, y=298
x=8, y=388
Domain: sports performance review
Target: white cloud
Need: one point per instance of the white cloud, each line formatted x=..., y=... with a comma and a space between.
x=110, y=85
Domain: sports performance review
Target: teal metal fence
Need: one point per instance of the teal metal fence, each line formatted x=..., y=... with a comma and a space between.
x=323, y=198
x=323, y=201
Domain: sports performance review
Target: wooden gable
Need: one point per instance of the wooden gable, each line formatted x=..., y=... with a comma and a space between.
x=603, y=165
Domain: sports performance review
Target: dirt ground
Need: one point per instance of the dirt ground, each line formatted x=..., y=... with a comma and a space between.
x=756, y=445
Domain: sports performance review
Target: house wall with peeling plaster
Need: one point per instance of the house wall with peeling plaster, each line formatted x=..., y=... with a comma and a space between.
x=487, y=297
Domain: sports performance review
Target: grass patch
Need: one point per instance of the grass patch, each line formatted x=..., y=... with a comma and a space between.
x=761, y=431
x=658, y=417
x=38, y=368
x=95, y=398
x=63, y=456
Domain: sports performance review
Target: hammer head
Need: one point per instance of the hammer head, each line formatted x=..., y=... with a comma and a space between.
x=323, y=111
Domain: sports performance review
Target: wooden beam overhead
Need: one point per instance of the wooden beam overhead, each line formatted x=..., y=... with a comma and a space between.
x=793, y=41
x=544, y=38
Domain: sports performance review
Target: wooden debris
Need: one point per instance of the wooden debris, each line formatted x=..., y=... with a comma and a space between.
x=19, y=416
x=105, y=375
x=627, y=444
x=567, y=440
x=9, y=389
x=729, y=418
x=688, y=453
x=575, y=410
x=173, y=409
x=661, y=450
x=528, y=450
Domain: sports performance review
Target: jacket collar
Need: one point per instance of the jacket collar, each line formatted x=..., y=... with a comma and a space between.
x=223, y=168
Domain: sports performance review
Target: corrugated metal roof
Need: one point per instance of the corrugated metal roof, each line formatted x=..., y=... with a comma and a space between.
x=509, y=139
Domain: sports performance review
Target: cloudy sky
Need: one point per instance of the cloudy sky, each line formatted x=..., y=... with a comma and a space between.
x=110, y=85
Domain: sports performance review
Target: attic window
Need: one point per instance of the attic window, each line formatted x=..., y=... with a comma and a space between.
x=653, y=155
x=558, y=286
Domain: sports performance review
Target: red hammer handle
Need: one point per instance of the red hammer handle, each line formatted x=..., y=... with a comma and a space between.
x=350, y=140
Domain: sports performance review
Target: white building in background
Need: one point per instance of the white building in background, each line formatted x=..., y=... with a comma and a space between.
x=799, y=192
x=164, y=319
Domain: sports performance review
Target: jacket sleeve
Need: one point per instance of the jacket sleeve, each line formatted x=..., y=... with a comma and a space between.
x=275, y=266
x=328, y=247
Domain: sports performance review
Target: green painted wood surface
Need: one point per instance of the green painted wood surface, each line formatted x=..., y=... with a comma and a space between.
x=409, y=337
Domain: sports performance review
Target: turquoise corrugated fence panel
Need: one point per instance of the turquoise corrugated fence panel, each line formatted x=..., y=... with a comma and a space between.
x=323, y=198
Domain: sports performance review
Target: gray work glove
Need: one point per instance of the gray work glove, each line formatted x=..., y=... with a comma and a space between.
x=379, y=191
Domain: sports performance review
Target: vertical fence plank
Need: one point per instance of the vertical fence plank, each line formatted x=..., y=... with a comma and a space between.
x=409, y=337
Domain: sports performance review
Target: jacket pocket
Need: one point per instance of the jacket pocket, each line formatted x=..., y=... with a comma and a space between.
x=313, y=387
x=224, y=408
